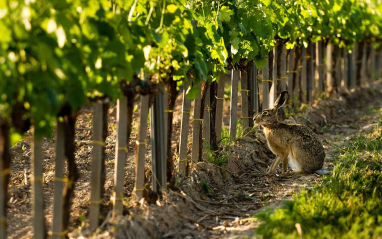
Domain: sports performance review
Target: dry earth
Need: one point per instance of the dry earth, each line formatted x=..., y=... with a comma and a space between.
x=216, y=201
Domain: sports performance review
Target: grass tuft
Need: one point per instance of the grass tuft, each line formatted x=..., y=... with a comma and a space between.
x=346, y=204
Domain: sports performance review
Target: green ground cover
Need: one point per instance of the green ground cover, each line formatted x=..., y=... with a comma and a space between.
x=345, y=204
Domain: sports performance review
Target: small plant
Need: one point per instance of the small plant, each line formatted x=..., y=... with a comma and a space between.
x=323, y=96
x=371, y=110
x=226, y=136
x=326, y=128
x=218, y=158
x=89, y=119
x=292, y=111
x=207, y=189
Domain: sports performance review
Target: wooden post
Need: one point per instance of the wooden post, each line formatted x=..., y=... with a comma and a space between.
x=337, y=67
x=219, y=105
x=359, y=65
x=244, y=98
x=96, y=166
x=254, y=91
x=379, y=63
x=351, y=69
x=310, y=71
x=297, y=76
x=5, y=159
x=59, y=183
x=266, y=80
x=372, y=62
x=290, y=71
x=345, y=70
x=196, y=124
x=37, y=189
x=368, y=74
x=206, y=121
x=304, y=75
x=364, y=64
x=233, y=103
x=328, y=66
x=186, y=111
x=158, y=141
x=120, y=157
x=273, y=73
x=320, y=62
x=283, y=69
x=3, y=219
x=141, y=149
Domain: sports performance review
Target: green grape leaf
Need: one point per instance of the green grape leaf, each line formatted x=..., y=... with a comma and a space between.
x=125, y=33
x=235, y=42
x=202, y=68
x=5, y=33
x=261, y=63
x=225, y=14
x=266, y=2
x=192, y=92
x=171, y=8
x=190, y=43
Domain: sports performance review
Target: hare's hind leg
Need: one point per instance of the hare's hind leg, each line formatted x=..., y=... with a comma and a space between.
x=275, y=163
x=285, y=164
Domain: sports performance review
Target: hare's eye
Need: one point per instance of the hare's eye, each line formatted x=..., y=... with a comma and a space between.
x=265, y=113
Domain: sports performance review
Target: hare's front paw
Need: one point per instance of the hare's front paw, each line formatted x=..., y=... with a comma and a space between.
x=270, y=171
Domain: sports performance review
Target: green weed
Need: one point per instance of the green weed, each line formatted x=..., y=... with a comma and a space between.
x=218, y=158
x=207, y=189
x=226, y=135
x=346, y=204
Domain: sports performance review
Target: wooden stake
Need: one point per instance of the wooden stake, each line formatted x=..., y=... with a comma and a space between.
x=158, y=141
x=283, y=69
x=5, y=159
x=37, y=189
x=266, y=80
x=59, y=183
x=345, y=69
x=97, y=166
x=364, y=64
x=273, y=72
x=372, y=62
x=196, y=124
x=120, y=156
x=351, y=69
x=233, y=104
x=329, y=66
x=320, y=63
x=141, y=149
x=304, y=76
x=219, y=105
x=310, y=72
x=290, y=71
x=337, y=67
x=244, y=98
x=186, y=111
x=254, y=91
x=206, y=120
x=379, y=64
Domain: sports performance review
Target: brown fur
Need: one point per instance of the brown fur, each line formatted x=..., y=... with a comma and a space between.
x=290, y=141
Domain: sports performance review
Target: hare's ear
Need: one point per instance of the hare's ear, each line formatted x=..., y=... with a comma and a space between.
x=281, y=100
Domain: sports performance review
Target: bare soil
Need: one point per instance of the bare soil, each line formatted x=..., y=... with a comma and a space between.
x=215, y=201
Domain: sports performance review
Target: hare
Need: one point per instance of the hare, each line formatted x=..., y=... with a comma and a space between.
x=293, y=143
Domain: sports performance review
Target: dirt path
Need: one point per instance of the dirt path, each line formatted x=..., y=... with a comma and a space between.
x=357, y=118
x=215, y=202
